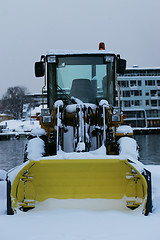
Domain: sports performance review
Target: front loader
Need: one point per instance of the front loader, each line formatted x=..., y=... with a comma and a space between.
x=88, y=154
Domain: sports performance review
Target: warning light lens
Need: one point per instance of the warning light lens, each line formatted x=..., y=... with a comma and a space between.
x=101, y=46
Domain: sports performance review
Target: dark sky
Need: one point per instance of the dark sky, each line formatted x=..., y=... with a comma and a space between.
x=29, y=28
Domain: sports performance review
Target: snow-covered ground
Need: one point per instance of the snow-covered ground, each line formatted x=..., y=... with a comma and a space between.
x=44, y=222
x=19, y=126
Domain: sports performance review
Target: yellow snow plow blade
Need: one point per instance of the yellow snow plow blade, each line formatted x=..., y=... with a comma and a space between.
x=78, y=179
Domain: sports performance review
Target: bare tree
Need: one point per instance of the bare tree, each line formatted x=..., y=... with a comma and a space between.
x=13, y=101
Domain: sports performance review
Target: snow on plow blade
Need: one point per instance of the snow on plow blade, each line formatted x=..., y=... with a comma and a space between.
x=105, y=179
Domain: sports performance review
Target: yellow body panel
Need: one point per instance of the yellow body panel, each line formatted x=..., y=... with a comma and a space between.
x=78, y=179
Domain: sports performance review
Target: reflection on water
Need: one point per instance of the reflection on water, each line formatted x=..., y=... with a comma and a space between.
x=150, y=148
x=12, y=151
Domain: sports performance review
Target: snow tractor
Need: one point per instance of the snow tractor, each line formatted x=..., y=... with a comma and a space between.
x=87, y=158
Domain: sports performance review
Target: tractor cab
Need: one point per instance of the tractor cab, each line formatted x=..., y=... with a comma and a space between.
x=84, y=83
x=88, y=77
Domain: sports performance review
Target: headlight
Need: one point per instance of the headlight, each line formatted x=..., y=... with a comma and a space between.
x=116, y=110
x=47, y=119
x=116, y=118
x=52, y=59
x=109, y=58
x=45, y=111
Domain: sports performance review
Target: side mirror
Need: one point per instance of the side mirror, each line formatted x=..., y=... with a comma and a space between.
x=121, y=65
x=39, y=69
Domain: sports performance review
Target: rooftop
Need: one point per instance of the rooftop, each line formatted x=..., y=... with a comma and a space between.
x=78, y=52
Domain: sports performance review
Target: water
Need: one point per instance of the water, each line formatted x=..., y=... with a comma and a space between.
x=12, y=151
x=150, y=148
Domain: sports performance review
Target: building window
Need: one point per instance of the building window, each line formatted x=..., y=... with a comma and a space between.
x=130, y=114
x=147, y=102
x=140, y=114
x=127, y=104
x=154, y=103
x=123, y=83
x=147, y=93
x=134, y=114
x=152, y=113
x=158, y=82
x=126, y=93
x=152, y=123
x=139, y=83
x=132, y=83
x=136, y=93
x=153, y=93
x=150, y=82
x=137, y=103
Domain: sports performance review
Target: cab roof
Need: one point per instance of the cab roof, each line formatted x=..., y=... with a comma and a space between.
x=78, y=52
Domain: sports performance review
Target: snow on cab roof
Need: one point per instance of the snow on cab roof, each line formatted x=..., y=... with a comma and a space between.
x=78, y=52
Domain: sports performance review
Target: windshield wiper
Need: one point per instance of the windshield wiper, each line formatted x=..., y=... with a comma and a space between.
x=65, y=94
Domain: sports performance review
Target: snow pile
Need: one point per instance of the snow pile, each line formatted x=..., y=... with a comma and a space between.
x=77, y=100
x=35, y=148
x=128, y=148
x=104, y=102
x=125, y=129
x=2, y=175
x=80, y=147
x=14, y=171
x=101, y=152
x=98, y=204
x=58, y=103
x=35, y=111
x=72, y=107
x=37, y=132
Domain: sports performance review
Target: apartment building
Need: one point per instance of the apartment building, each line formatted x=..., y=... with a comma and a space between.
x=140, y=96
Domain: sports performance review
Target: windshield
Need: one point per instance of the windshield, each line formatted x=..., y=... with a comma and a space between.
x=87, y=78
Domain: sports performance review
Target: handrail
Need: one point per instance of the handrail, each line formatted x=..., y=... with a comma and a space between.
x=44, y=84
